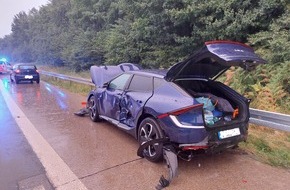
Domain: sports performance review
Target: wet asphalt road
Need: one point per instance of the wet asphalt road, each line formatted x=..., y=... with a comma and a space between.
x=104, y=157
x=19, y=166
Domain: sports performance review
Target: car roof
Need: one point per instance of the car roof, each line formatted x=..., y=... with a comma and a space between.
x=160, y=73
x=24, y=64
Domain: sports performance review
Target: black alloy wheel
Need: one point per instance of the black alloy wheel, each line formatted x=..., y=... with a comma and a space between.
x=149, y=129
x=93, y=111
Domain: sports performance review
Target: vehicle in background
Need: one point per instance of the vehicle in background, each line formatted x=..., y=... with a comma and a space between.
x=5, y=66
x=24, y=72
x=184, y=104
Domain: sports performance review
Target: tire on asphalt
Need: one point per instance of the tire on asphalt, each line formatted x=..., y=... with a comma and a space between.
x=150, y=129
x=93, y=110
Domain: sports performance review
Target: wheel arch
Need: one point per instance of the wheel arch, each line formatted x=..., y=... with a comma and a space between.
x=143, y=116
x=91, y=93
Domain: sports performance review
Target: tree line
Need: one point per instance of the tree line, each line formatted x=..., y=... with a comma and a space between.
x=154, y=34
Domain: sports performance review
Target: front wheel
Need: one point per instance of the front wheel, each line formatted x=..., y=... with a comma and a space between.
x=93, y=110
x=149, y=129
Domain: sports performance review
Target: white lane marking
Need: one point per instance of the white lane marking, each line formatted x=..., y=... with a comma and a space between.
x=58, y=172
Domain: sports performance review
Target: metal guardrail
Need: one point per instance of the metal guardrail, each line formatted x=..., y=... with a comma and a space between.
x=68, y=78
x=270, y=119
x=259, y=117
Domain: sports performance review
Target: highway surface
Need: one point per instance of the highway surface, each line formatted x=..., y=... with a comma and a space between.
x=45, y=146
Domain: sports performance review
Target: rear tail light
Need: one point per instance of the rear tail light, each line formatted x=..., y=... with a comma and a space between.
x=17, y=71
x=187, y=117
x=185, y=109
x=180, y=111
x=37, y=71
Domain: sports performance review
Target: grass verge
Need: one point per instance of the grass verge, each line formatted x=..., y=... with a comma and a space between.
x=68, y=85
x=65, y=71
x=268, y=145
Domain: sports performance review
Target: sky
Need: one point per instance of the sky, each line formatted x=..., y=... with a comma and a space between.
x=9, y=8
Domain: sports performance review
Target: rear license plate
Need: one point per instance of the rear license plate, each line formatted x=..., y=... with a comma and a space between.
x=229, y=133
x=28, y=76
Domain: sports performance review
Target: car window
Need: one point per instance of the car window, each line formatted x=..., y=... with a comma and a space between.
x=141, y=83
x=119, y=82
x=26, y=67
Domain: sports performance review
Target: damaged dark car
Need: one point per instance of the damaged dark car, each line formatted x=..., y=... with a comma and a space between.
x=184, y=104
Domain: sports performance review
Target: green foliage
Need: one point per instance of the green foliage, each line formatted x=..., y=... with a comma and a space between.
x=152, y=33
x=271, y=147
x=280, y=158
x=81, y=33
x=269, y=85
x=261, y=145
x=288, y=138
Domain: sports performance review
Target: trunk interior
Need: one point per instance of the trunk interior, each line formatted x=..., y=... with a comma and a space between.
x=222, y=105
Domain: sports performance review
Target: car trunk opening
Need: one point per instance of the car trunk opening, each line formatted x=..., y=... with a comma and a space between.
x=222, y=105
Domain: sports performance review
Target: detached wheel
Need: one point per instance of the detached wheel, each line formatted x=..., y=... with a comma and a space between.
x=93, y=111
x=149, y=129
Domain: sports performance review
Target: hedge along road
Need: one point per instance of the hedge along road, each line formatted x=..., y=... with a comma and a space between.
x=79, y=154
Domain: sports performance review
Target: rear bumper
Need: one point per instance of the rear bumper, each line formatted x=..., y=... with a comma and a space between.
x=216, y=144
x=35, y=77
x=194, y=139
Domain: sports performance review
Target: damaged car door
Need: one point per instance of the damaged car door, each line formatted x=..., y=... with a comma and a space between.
x=134, y=98
x=110, y=101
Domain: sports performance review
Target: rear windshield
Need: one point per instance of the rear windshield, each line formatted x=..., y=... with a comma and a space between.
x=26, y=67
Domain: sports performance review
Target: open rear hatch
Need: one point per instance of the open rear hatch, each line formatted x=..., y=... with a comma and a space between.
x=222, y=105
x=213, y=59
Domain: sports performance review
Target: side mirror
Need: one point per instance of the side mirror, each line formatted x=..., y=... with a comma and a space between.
x=105, y=85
